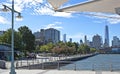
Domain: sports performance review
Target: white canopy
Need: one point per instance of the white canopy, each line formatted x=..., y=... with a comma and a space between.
x=106, y=6
x=57, y=3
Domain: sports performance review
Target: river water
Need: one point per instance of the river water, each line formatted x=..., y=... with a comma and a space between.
x=110, y=62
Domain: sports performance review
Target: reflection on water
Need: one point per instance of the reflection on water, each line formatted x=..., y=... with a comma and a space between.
x=98, y=62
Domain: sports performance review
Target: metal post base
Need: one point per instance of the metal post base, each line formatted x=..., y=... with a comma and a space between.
x=13, y=72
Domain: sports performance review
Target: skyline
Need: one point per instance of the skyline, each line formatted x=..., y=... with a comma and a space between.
x=75, y=26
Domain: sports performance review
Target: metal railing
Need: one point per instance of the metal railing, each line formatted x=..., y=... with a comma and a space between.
x=60, y=64
x=115, y=66
x=67, y=65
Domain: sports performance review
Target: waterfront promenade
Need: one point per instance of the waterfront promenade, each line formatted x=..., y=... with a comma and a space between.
x=23, y=71
x=41, y=60
x=114, y=70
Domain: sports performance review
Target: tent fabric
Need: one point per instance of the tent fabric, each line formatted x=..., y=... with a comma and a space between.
x=57, y=3
x=105, y=6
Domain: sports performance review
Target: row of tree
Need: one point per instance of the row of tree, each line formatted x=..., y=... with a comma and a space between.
x=67, y=48
x=24, y=41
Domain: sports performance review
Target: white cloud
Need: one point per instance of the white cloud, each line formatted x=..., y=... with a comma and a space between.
x=110, y=18
x=3, y=20
x=20, y=5
x=48, y=11
x=39, y=7
x=43, y=11
x=113, y=21
x=54, y=25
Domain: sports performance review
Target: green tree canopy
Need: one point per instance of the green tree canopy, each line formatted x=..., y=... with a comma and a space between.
x=6, y=38
x=64, y=48
x=83, y=48
x=92, y=50
x=28, y=39
x=47, y=48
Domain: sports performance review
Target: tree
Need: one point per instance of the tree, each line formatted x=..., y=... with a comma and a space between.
x=83, y=48
x=56, y=50
x=76, y=46
x=6, y=38
x=64, y=48
x=92, y=50
x=47, y=48
x=28, y=39
x=70, y=44
x=44, y=48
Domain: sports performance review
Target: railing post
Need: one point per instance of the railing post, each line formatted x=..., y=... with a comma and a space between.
x=58, y=65
x=21, y=62
x=27, y=63
x=75, y=67
x=93, y=67
x=29, y=66
x=33, y=61
x=42, y=65
x=111, y=67
x=38, y=61
x=17, y=65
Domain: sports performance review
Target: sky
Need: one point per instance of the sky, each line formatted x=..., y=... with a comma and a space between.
x=39, y=14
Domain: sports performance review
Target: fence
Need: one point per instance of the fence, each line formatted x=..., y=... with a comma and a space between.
x=60, y=64
x=66, y=65
x=114, y=66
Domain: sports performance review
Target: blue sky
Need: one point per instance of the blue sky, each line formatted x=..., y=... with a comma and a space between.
x=76, y=26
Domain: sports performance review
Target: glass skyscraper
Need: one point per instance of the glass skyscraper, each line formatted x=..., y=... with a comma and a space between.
x=106, y=43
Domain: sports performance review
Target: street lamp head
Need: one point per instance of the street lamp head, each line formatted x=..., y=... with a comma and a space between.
x=19, y=16
x=5, y=8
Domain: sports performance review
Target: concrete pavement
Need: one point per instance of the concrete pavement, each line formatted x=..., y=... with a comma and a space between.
x=23, y=71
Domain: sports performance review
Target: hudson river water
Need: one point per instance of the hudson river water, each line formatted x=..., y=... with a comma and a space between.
x=106, y=62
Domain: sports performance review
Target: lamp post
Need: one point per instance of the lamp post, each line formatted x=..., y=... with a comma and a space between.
x=6, y=8
x=12, y=42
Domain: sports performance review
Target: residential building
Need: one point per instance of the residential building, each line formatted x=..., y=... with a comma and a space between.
x=70, y=40
x=64, y=38
x=47, y=35
x=2, y=32
x=115, y=42
x=97, y=41
x=81, y=42
x=52, y=35
x=91, y=44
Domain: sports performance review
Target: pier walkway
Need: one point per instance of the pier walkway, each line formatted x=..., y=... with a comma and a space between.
x=40, y=60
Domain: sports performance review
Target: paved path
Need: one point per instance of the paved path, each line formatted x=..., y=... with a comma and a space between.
x=57, y=72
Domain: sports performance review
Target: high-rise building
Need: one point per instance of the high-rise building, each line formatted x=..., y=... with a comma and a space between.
x=70, y=40
x=85, y=40
x=115, y=42
x=81, y=42
x=2, y=32
x=64, y=38
x=40, y=37
x=97, y=41
x=91, y=44
x=106, y=43
x=47, y=35
x=52, y=35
